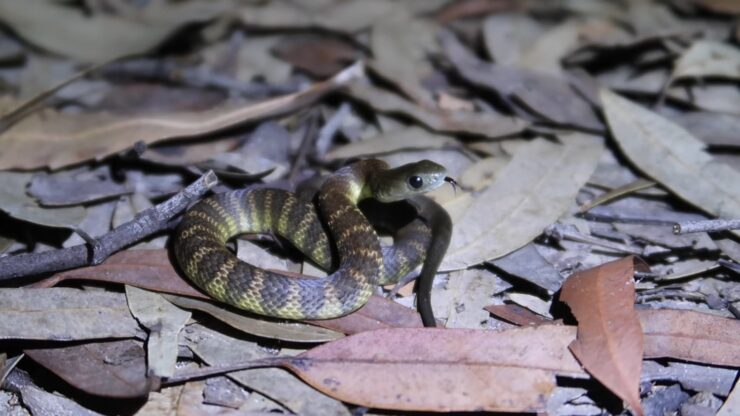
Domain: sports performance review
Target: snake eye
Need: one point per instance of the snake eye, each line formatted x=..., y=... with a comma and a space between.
x=416, y=182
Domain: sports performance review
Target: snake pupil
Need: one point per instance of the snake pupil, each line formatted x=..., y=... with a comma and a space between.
x=416, y=182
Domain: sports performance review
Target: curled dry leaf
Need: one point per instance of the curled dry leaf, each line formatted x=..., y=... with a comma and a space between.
x=610, y=341
x=673, y=157
x=531, y=192
x=428, y=369
x=109, y=369
x=56, y=139
x=691, y=336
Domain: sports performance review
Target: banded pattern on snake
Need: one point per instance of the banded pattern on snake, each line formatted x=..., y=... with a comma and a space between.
x=201, y=252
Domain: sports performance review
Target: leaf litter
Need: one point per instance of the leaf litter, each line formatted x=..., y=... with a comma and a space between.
x=536, y=109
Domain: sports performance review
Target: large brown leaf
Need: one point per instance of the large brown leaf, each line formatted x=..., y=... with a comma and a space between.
x=428, y=369
x=691, y=336
x=56, y=139
x=609, y=343
x=110, y=369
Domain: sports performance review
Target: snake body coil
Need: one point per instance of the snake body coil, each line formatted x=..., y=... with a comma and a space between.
x=202, y=254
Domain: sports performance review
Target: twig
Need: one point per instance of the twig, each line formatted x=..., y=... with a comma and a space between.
x=705, y=226
x=308, y=140
x=330, y=128
x=145, y=223
x=217, y=370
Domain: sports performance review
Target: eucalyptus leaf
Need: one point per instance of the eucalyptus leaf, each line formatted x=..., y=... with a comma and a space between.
x=15, y=201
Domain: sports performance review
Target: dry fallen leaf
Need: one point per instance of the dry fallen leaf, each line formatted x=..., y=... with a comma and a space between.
x=530, y=193
x=15, y=201
x=56, y=139
x=691, y=336
x=100, y=38
x=707, y=58
x=486, y=124
x=109, y=369
x=64, y=314
x=164, y=322
x=672, y=157
x=610, y=341
x=412, y=137
x=429, y=369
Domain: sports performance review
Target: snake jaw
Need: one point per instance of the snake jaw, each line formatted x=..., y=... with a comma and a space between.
x=451, y=182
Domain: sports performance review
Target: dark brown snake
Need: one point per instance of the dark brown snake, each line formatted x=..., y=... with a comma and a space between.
x=200, y=241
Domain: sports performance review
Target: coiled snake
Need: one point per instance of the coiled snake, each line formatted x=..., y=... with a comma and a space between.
x=200, y=241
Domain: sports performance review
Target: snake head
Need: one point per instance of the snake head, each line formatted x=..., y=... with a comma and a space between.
x=408, y=180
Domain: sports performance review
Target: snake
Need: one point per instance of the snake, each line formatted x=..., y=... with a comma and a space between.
x=362, y=263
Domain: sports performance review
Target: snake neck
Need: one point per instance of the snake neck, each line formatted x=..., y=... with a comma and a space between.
x=338, y=204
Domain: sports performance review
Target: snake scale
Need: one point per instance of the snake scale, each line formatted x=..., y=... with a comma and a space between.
x=200, y=241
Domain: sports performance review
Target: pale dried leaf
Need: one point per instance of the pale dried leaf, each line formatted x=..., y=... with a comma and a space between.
x=707, y=58
x=100, y=38
x=15, y=201
x=58, y=139
x=532, y=192
x=164, y=322
x=489, y=125
x=674, y=158
x=401, y=45
x=64, y=314
x=218, y=349
x=411, y=137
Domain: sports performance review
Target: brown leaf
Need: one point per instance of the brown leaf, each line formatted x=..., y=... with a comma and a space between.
x=378, y=313
x=691, y=336
x=153, y=270
x=517, y=315
x=428, y=369
x=59, y=139
x=318, y=55
x=110, y=369
x=610, y=341
x=148, y=269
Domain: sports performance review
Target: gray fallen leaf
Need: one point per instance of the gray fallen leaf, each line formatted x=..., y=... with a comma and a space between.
x=101, y=37
x=15, y=201
x=528, y=264
x=532, y=192
x=64, y=314
x=672, y=157
x=164, y=322
x=218, y=349
x=74, y=188
x=707, y=58
x=715, y=380
x=43, y=403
